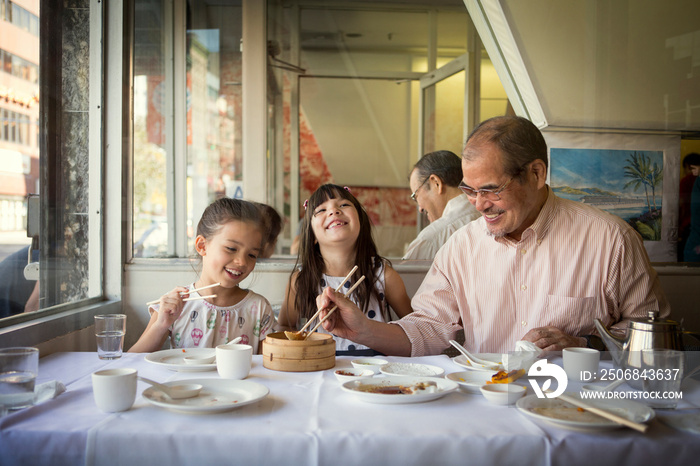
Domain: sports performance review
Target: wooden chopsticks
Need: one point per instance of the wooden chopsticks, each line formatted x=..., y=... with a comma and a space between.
x=191, y=291
x=347, y=277
x=349, y=292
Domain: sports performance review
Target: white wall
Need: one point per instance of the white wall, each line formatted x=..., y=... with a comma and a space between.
x=626, y=64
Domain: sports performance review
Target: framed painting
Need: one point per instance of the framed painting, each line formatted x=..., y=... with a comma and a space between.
x=632, y=176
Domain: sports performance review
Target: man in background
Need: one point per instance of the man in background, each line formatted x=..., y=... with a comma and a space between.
x=434, y=183
x=691, y=167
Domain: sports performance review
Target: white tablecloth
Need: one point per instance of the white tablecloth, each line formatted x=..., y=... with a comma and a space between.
x=307, y=419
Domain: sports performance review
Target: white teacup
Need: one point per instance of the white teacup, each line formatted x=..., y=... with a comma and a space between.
x=114, y=389
x=581, y=364
x=233, y=361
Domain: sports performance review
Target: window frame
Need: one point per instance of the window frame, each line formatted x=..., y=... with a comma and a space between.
x=106, y=136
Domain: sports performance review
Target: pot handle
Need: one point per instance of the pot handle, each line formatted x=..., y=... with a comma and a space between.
x=695, y=335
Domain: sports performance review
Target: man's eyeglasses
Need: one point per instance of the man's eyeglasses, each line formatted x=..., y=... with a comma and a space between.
x=486, y=194
x=413, y=194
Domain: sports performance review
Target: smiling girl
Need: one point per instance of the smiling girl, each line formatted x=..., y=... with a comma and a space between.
x=229, y=239
x=336, y=235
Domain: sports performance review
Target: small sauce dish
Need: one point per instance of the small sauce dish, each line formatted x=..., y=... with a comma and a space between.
x=503, y=393
x=199, y=359
x=347, y=374
x=470, y=381
x=373, y=364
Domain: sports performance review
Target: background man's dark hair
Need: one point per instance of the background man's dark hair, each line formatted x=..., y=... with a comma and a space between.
x=444, y=164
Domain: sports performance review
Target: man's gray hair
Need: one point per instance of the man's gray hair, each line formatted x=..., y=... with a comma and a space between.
x=519, y=141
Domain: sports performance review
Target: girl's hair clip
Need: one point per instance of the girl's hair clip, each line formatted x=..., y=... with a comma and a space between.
x=306, y=204
x=347, y=189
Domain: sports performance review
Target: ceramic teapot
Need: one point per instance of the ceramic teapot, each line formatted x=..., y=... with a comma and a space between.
x=645, y=333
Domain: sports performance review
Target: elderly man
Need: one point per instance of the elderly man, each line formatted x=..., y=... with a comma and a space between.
x=534, y=266
x=435, y=182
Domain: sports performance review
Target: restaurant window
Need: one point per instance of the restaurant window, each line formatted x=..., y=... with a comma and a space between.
x=349, y=86
x=344, y=103
x=52, y=181
x=187, y=148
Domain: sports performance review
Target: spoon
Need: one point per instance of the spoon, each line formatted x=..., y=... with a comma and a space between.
x=176, y=392
x=606, y=388
x=473, y=360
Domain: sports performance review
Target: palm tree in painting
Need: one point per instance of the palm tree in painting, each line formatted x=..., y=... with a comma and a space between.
x=642, y=175
x=656, y=176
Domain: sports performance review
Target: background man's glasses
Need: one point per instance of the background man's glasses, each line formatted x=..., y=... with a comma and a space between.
x=413, y=194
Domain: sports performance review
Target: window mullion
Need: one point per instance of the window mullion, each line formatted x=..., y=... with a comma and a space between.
x=95, y=176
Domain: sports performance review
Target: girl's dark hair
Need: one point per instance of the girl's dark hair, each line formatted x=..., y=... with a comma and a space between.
x=274, y=222
x=312, y=265
x=224, y=210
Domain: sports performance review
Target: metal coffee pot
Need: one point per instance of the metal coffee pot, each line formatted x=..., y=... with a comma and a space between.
x=646, y=333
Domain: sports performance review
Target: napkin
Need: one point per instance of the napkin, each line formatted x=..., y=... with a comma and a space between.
x=687, y=422
x=42, y=392
x=524, y=356
x=48, y=390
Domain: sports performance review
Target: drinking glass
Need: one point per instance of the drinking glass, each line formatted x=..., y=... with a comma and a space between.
x=110, y=330
x=662, y=373
x=18, y=370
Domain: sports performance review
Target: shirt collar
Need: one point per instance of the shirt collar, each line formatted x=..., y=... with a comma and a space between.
x=544, y=220
x=456, y=204
x=542, y=223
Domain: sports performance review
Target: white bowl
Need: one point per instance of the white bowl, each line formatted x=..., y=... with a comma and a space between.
x=350, y=373
x=373, y=364
x=470, y=381
x=503, y=393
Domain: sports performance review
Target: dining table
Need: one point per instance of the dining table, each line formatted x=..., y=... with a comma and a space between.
x=308, y=418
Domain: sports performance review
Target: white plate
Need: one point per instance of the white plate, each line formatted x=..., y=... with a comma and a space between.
x=355, y=387
x=217, y=395
x=174, y=359
x=471, y=381
x=412, y=369
x=495, y=357
x=562, y=414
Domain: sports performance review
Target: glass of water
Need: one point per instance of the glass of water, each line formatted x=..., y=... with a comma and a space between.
x=109, y=330
x=18, y=370
x=662, y=374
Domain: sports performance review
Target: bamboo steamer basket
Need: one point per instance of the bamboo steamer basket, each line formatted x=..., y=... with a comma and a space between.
x=316, y=353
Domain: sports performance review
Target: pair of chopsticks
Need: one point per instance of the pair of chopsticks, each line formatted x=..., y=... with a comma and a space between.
x=603, y=413
x=347, y=277
x=332, y=310
x=191, y=291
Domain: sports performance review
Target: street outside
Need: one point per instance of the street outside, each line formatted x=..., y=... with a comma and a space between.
x=12, y=241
